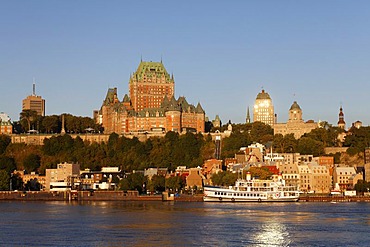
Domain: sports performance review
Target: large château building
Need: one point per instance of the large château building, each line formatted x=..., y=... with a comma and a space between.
x=263, y=110
x=151, y=105
x=295, y=124
x=34, y=102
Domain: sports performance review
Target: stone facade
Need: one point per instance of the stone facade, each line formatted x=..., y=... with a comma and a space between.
x=295, y=124
x=151, y=106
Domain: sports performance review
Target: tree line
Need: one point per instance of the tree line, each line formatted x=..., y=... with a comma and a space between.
x=172, y=150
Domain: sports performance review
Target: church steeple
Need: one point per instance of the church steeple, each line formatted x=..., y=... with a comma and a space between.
x=248, y=119
x=341, y=122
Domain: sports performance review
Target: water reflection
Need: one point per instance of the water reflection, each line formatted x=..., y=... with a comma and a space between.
x=272, y=233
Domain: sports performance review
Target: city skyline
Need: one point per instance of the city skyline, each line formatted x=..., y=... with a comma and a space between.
x=221, y=54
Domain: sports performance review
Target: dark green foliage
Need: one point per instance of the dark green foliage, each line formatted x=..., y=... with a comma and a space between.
x=4, y=180
x=285, y=144
x=308, y=145
x=4, y=142
x=175, y=183
x=225, y=178
x=133, y=181
x=157, y=183
x=357, y=140
x=31, y=163
x=7, y=164
x=362, y=186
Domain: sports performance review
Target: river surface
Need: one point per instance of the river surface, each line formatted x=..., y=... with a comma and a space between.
x=183, y=224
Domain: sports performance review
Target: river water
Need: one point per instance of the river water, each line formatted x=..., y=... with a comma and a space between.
x=183, y=224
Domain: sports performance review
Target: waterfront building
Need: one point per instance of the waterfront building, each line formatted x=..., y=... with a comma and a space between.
x=290, y=174
x=34, y=102
x=151, y=106
x=62, y=178
x=106, y=179
x=342, y=176
x=6, y=126
x=263, y=110
x=314, y=178
x=194, y=179
x=295, y=124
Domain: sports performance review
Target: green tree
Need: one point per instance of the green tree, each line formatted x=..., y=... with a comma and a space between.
x=175, y=183
x=7, y=164
x=260, y=172
x=4, y=180
x=4, y=143
x=224, y=178
x=51, y=124
x=261, y=132
x=28, y=116
x=32, y=162
x=308, y=145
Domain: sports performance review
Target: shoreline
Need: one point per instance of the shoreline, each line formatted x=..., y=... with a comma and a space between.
x=127, y=196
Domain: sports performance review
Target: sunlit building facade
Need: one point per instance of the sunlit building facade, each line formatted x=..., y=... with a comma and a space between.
x=151, y=106
x=263, y=110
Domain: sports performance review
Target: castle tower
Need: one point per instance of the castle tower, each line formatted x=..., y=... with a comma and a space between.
x=149, y=85
x=295, y=113
x=341, y=122
x=263, y=109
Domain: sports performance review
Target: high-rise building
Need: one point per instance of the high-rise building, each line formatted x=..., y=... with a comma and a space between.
x=264, y=109
x=34, y=102
x=151, y=106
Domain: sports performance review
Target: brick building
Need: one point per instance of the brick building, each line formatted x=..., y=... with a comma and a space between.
x=151, y=105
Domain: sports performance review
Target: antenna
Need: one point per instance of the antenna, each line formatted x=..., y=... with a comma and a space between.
x=34, y=87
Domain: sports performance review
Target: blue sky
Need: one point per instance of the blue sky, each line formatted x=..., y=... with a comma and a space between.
x=221, y=54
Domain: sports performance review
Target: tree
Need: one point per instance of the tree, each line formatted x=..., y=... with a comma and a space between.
x=260, y=172
x=308, y=145
x=4, y=180
x=175, y=183
x=4, y=143
x=225, y=178
x=7, y=164
x=261, y=132
x=29, y=116
x=51, y=124
x=31, y=163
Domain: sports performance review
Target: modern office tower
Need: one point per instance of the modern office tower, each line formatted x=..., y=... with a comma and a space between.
x=264, y=109
x=34, y=102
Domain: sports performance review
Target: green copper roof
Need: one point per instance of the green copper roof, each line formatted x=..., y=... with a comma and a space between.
x=151, y=69
x=263, y=95
x=295, y=106
x=111, y=94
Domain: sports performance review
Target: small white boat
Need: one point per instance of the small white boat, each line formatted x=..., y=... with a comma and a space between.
x=252, y=190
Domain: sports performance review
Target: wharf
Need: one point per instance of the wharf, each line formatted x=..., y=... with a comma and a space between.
x=315, y=198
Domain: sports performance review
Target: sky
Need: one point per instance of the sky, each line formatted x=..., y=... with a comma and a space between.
x=221, y=53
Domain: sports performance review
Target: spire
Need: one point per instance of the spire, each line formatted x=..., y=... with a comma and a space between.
x=248, y=119
x=34, y=87
x=341, y=122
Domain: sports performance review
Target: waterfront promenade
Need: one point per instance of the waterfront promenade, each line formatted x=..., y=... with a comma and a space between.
x=134, y=196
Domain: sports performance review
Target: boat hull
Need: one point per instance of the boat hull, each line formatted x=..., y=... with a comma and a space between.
x=219, y=194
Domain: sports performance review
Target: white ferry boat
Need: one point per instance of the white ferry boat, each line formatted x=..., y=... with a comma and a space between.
x=252, y=190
